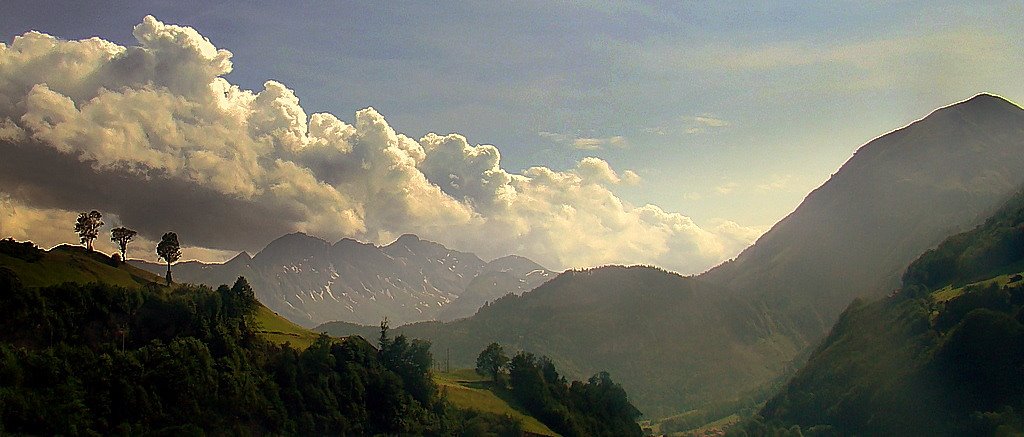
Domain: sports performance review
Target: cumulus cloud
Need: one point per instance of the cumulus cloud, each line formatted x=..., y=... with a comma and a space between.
x=154, y=136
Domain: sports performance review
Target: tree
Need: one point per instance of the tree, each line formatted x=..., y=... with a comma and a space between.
x=122, y=236
x=169, y=250
x=88, y=227
x=491, y=361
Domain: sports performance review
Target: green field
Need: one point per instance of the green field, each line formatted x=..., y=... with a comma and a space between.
x=280, y=330
x=949, y=292
x=467, y=390
x=75, y=264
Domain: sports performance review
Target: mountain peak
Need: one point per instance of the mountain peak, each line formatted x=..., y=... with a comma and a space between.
x=242, y=257
x=983, y=104
x=407, y=239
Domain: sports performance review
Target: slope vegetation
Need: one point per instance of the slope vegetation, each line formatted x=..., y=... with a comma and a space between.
x=653, y=330
x=941, y=357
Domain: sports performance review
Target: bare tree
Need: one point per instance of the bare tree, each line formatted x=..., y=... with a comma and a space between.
x=169, y=250
x=122, y=236
x=88, y=227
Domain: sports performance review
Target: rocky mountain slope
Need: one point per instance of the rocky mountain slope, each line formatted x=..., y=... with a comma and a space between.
x=311, y=281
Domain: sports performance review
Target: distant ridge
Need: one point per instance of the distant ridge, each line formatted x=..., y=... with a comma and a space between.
x=311, y=281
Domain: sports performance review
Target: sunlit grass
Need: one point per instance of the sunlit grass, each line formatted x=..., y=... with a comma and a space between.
x=466, y=389
x=280, y=330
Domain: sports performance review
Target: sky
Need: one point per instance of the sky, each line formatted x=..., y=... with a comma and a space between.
x=586, y=133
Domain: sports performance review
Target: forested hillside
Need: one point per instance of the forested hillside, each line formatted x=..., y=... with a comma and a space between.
x=943, y=356
x=655, y=331
x=132, y=356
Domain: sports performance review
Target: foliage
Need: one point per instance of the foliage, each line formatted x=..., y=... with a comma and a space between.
x=122, y=236
x=598, y=407
x=87, y=226
x=491, y=361
x=653, y=330
x=924, y=361
x=170, y=250
x=993, y=248
x=25, y=251
x=100, y=359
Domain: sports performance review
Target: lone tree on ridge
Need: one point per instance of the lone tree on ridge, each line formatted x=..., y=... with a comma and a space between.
x=122, y=236
x=169, y=250
x=88, y=227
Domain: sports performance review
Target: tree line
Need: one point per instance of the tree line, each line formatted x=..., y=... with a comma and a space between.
x=87, y=227
x=97, y=359
x=597, y=407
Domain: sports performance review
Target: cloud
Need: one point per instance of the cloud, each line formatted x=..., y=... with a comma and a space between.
x=726, y=188
x=706, y=120
x=585, y=143
x=157, y=138
x=777, y=183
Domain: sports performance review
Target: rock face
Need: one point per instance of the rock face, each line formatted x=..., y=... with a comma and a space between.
x=311, y=281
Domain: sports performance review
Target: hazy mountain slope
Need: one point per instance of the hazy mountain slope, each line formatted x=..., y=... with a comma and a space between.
x=311, y=281
x=897, y=196
x=510, y=274
x=684, y=343
x=656, y=332
x=942, y=357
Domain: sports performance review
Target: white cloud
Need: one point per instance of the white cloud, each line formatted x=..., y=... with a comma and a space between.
x=777, y=183
x=726, y=188
x=707, y=120
x=585, y=143
x=156, y=137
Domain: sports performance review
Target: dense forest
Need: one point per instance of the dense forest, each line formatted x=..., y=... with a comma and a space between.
x=942, y=356
x=103, y=359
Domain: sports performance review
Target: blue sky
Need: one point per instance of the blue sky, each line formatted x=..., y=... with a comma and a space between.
x=726, y=110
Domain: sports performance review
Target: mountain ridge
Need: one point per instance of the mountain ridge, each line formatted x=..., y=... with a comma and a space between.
x=312, y=281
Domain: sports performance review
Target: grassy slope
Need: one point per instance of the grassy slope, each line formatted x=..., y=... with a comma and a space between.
x=468, y=390
x=280, y=330
x=74, y=264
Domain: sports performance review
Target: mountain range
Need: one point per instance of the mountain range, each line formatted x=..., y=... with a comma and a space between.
x=311, y=281
x=723, y=337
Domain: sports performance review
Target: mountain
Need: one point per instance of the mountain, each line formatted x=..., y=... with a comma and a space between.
x=724, y=337
x=897, y=196
x=942, y=356
x=311, y=281
x=656, y=331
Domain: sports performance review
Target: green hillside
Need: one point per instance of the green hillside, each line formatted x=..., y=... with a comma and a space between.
x=655, y=332
x=37, y=268
x=943, y=356
x=468, y=390
x=72, y=264
x=93, y=346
